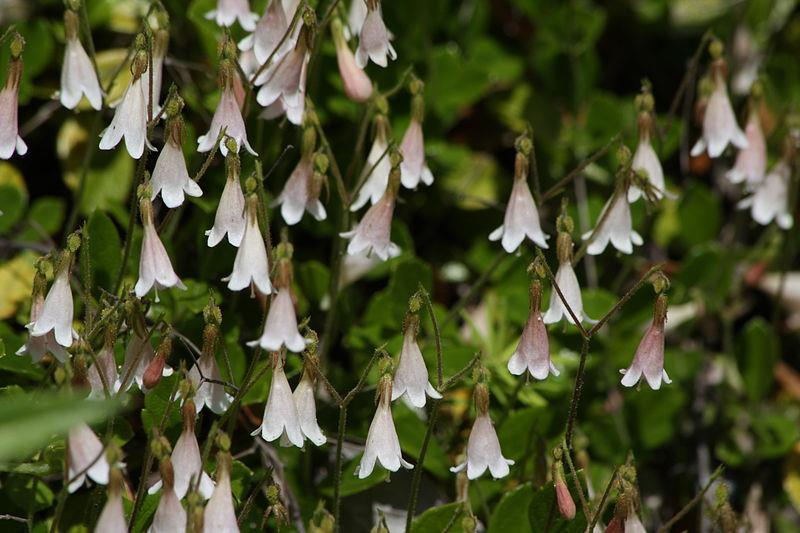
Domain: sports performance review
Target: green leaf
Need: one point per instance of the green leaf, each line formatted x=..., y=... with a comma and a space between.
x=700, y=215
x=438, y=518
x=104, y=249
x=411, y=431
x=45, y=217
x=12, y=205
x=351, y=484
x=156, y=402
x=506, y=516
x=107, y=187
x=28, y=493
x=757, y=352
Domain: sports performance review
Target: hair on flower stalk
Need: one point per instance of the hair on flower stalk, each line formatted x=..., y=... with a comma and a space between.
x=205, y=375
x=302, y=190
x=374, y=178
x=10, y=139
x=251, y=266
x=78, y=75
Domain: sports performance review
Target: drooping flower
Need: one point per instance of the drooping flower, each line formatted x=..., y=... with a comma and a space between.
x=633, y=524
x=130, y=116
x=357, y=85
x=307, y=409
x=280, y=327
x=751, y=162
x=229, y=218
x=267, y=35
x=229, y=11
x=170, y=175
x=251, y=266
x=104, y=374
x=373, y=233
x=522, y=218
x=39, y=346
x=533, y=351
x=411, y=376
x=155, y=268
x=280, y=413
x=483, y=447
x=414, y=168
x=566, y=505
x=207, y=393
x=383, y=444
x=375, y=176
x=187, y=463
x=770, y=200
x=78, y=76
x=56, y=313
x=227, y=117
x=374, y=39
x=112, y=517
x=649, y=357
x=614, y=225
x=286, y=82
x=356, y=16
x=170, y=517
x=302, y=189
x=86, y=457
x=139, y=355
x=567, y=281
x=9, y=103
x=219, y=515
x=719, y=123
x=645, y=158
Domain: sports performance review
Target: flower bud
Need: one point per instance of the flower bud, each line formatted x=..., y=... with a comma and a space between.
x=17, y=45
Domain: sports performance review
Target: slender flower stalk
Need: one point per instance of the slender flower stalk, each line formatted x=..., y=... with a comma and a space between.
x=375, y=177
x=533, y=351
x=251, y=266
x=85, y=458
x=10, y=140
x=280, y=412
x=155, y=267
x=649, y=358
x=57, y=310
x=229, y=11
x=383, y=444
x=112, y=517
x=374, y=39
x=356, y=83
x=568, y=283
x=411, y=377
x=170, y=175
x=414, y=168
x=229, y=219
x=78, y=75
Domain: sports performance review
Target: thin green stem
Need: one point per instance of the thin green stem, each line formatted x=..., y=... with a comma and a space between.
x=694, y=501
x=582, y=497
x=622, y=301
x=602, y=504
x=417, y=476
x=576, y=393
x=563, y=182
x=437, y=336
x=337, y=482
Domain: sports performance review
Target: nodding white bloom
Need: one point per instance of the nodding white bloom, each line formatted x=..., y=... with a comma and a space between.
x=649, y=358
x=130, y=116
x=567, y=281
x=112, y=517
x=522, y=218
x=646, y=160
x=483, y=447
x=219, y=515
x=301, y=193
x=170, y=175
x=251, y=266
x=227, y=117
x=229, y=218
x=614, y=226
x=751, y=162
x=187, y=463
x=287, y=81
x=268, y=33
x=357, y=85
x=280, y=327
x=374, y=39
x=375, y=176
x=78, y=76
x=770, y=200
x=37, y=347
x=280, y=413
x=373, y=234
x=104, y=369
x=633, y=524
x=307, y=409
x=9, y=104
x=719, y=122
x=533, y=351
x=209, y=394
x=86, y=457
x=382, y=442
x=55, y=315
x=170, y=515
x=411, y=376
x=229, y=11
x=160, y=44
x=356, y=16
x=155, y=268
x=413, y=168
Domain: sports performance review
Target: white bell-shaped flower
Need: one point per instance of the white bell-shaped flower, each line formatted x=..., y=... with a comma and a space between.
x=383, y=445
x=229, y=11
x=57, y=311
x=280, y=327
x=287, y=80
x=86, y=457
x=267, y=35
x=374, y=39
x=230, y=218
x=356, y=16
x=103, y=374
x=208, y=394
x=301, y=194
x=280, y=413
x=39, y=346
x=751, y=162
x=155, y=267
x=251, y=266
x=357, y=85
x=170, y=516
x=130, y=120
x=411, y=376
x=372, y=235
x=533, y=351
x=770, y=200
x=219, y=515
x=646, y=160
x=375, y=176
x=10, y=140
x=307, y=409
x=160, y=44
x=414, y=169
x=227, y=117
x=649, y=358
x=567, y=281
x=78, y=76
x=614, y=226
x=719, y=123
x=112, y=517
x=170, y=175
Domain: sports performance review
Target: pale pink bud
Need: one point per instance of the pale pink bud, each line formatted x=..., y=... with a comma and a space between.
x=380, y=165
x=649, y=357
x=616, y=228
x=130, y=121
x=280, y=327
x=373, y=233
x=483, y=451
x=138, y=356
x=307, y=410
x=155, y=267
x=209, y=394
x=229, y=11
x=373, y=41
x=413, y=167
x=171, y=177
x=251, y=266
x=229, y=218
x=9, y=103
x=770, y=200
x=56, y=313
x=411, y=376
x=295, y=198
x=751, y=162
x=227, y=116
x=357, y=85
x=86, y=454
x=568, y=283
x=521, y=219
x=220, y=515
x=383, y=444
x=566, y=505
x=78, y=77
x=719, y=123
x=280, y=413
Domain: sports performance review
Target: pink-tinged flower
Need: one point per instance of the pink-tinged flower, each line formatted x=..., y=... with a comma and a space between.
x=615, y=226
x=56, y=313
x=229, y=11
x=170, y=517
x=280, y=413
x=39, y=346
x=78, y=76
x=356, y=16
x=375, y=177
x=86, y=457
x=227, y=117
x=267, y=35
x=751, y=162
x=170, y=175
x=219, y=515
x=770, y=200
x=357, y=85
x=719, y=122
x=139, y=355
x=411, y=376
x=383, y=444
x=483, y=447
x=280, y=328
x=633, y=524
x=373, y=233
x=155, y=268
x=300, y=194
x=646, y=160
x=414, y=168
x=208, y=394
x=229, y=218
x=287, y=82
x=649, y=358
x=567, y=281
x=307, y=409
x=130, y=121
x=566, y=505
x=187, y=463
x=9, y=103
x=112, y=517
x=103, y=373
x=533, y=351
x=251, y=266
x=374, y=39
